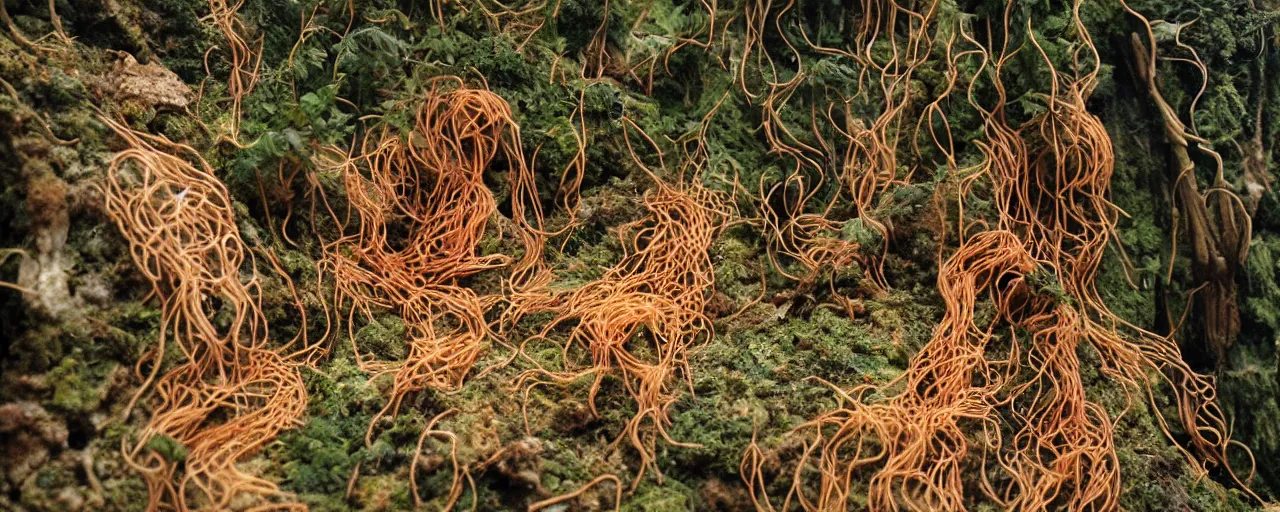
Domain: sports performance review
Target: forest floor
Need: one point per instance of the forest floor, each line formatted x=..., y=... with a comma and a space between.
x=651, y=255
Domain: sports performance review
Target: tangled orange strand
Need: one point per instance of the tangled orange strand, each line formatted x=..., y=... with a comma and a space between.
x=245, y=60
x=423, y=209
x=231, y=395
x=657, y=293
x=864, y=158
x=1041, y=443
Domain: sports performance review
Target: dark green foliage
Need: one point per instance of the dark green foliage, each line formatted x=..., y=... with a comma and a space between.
x=320, y=456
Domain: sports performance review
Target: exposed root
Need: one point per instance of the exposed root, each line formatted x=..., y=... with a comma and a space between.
x=1217, y=222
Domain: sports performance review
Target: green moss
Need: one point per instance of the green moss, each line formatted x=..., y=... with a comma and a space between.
x=1262, y=287
x=715, y=422
x=1251, y=390
x=318, y=458
x=380, y=492
x=384, y=336
x=73, y=391
x=669, y=498
x=138, y=114
x=168, y=448
x=37, y=350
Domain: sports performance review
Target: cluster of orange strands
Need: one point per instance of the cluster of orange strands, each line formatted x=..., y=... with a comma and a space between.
x=980, y=406
x=918, y=436
x=866, y=157
x=1000, y=397
x=231, y=394
x=243, y=59
x=658, y=293
x=428, y=185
